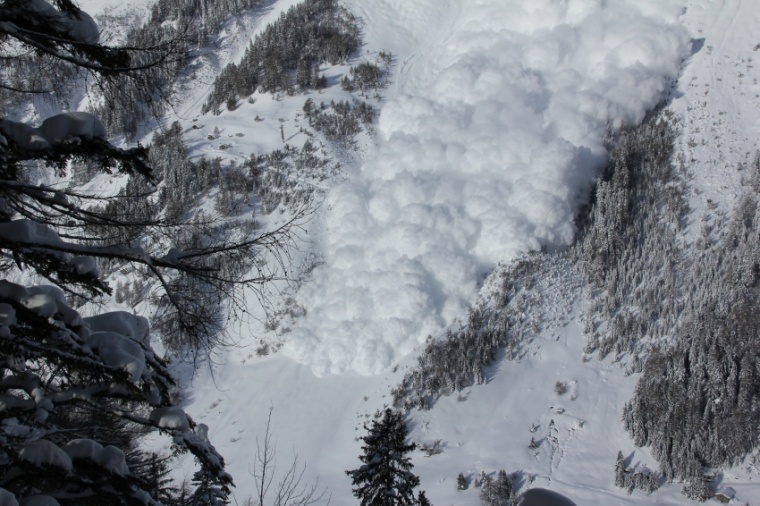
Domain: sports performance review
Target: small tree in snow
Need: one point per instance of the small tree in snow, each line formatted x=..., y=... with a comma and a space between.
x=385, y=478
x=497, y=492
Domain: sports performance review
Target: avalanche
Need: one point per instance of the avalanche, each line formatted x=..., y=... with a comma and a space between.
x=486, y=151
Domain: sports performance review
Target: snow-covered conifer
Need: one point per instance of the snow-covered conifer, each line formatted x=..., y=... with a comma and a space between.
x=385, y=478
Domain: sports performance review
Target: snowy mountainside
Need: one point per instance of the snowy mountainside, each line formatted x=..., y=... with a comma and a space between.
x=719, y=103
x=489, y=138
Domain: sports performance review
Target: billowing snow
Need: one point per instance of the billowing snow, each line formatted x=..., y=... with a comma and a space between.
x=486, y=151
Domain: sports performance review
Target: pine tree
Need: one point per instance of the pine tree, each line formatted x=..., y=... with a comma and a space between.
x=620, y=471
x=385, y=478
x=497, y=492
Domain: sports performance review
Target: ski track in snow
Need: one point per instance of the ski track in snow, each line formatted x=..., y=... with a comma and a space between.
x=487, y=146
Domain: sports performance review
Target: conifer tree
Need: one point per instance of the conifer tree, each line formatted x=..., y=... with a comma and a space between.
x=385, y=478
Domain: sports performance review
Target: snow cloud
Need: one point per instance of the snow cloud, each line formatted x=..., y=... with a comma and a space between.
x=487, y=153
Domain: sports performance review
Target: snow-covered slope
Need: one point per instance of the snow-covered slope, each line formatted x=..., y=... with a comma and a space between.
x=718, y=102
x=489, y=138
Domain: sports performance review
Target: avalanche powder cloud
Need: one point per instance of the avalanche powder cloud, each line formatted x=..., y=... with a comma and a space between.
x=487, y=153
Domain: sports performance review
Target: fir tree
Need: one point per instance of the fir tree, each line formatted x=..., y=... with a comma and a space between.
x=385, y=478
x=497, y=492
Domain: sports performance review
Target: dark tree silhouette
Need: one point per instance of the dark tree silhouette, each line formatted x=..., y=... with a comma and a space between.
x=385, y=478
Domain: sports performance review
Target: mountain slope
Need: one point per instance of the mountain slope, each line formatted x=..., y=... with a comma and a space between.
x=490, y=135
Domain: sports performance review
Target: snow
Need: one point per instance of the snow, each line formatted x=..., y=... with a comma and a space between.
x=486, y=152
x=85, y=265
x=127, y=324
x=8, y=402
x=7, y=314
x=81, y=28
x=38, y=500
x=44, y=453
x=108, y=457
x=489, y=138
x=7, y=499
x=68, y=125
x=49, y=300
x=173, y=418
x=64, y=127
x=119, y=352
x=29, y=231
